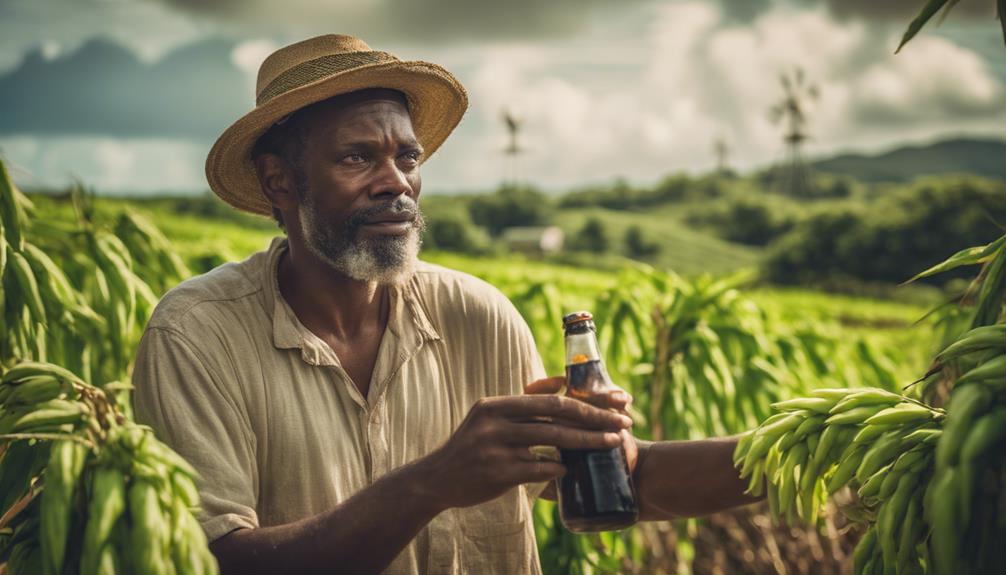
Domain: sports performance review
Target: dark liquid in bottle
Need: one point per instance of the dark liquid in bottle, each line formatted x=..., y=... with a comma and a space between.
x=596, y=493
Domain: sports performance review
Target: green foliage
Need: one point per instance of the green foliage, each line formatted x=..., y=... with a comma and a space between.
x=73, y=302
x=752, y=221
x=454, y=232
x=592, y=237
x=637, y=246
x=673, y=188
x=685, y=250
x=930, y=481
x=700, y=360
x=932, y=7
x=895, y=237
x=509, y=207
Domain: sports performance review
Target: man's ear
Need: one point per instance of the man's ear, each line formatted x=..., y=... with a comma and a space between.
x=277, y=181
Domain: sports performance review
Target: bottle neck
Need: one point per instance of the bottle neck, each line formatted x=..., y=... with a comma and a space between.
x=581, y=348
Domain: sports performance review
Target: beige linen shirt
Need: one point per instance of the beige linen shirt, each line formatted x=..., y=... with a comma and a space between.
x=228, y=377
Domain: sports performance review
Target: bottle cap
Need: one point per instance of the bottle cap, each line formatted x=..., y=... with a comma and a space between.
x=576, y=317
x=578, y=322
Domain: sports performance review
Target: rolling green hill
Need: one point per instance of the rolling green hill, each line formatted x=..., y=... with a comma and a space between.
x=982, y=157
x=683, y=249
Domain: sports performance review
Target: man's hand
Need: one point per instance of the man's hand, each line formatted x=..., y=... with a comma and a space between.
x=673, y=478
x=618, y=400
x=489, y=452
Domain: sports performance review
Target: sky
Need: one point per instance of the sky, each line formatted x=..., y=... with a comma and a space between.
x=129, y=95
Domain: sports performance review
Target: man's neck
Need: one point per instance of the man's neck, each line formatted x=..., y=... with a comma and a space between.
x=328, y=303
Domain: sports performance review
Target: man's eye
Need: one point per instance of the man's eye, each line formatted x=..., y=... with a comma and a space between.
x=412, y=156
x=354, y=159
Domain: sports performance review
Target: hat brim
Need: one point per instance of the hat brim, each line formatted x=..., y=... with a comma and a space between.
x=436, y=101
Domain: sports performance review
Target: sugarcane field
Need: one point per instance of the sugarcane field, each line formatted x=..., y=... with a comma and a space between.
x=691, y=287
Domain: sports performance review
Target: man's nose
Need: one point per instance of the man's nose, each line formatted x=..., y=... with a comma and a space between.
x=390, y=181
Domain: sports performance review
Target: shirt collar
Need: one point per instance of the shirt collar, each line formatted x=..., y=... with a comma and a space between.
x=408, y=320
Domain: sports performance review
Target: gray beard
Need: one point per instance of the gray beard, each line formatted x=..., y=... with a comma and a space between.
x=382, y=259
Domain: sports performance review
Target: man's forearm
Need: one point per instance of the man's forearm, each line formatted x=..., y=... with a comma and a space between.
x=361, y=535
x=688, y=478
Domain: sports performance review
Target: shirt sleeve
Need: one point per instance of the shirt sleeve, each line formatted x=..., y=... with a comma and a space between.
x=182, y=397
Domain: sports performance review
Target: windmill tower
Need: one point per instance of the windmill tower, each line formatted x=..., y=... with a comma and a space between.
x=722, y=150
x=511, y=168
x=794, y=174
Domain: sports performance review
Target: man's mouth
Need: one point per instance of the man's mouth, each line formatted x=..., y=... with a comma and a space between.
x=391, y=223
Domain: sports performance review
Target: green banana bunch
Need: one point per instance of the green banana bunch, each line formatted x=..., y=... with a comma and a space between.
x=26, y=369
x=106, y=505
x=66, y=462
x=47, y=416
x=113, y=498
x=83, y=489
x=151, y=530
x=32, y=390
x=969, y=470
x=880, y=443
x=155, y=260
x=11, y=211
x=27, y=284
x=978, y=339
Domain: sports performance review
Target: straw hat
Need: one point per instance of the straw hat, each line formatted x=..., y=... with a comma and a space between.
x=317, y=69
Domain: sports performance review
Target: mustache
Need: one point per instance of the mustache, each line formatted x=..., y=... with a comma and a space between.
x=402, y=205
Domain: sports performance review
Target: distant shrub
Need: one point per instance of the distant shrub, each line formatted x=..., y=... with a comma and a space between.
x=510, y=207
x=752, y=221
x=618, y=196
x=453, y=232
x=673, y=188
x=637, y=246
x=592, y=237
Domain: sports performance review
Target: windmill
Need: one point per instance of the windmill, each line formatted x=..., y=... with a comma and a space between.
x=513, y=124
x=791, y=111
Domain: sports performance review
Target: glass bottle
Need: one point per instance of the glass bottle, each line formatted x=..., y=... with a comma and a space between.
x=596, y=493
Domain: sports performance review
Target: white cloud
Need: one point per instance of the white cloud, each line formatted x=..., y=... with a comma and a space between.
x=111, y=166
x=939, y=79
x=692, y=76
x=250, y=54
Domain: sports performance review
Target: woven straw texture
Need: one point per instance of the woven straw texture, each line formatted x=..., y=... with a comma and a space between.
x=315, y=70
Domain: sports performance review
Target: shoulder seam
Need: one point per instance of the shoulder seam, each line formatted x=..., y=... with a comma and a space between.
x=182, y=313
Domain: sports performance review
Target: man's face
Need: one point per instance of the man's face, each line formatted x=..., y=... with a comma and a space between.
x=358, y=186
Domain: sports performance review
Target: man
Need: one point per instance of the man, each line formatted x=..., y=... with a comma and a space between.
x=349, y=408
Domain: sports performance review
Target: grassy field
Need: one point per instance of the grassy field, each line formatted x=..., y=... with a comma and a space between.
x=205, y=242
x=683, y=249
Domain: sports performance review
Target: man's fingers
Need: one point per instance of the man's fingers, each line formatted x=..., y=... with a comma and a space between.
x=537, y=471
x=561, y=436
x=528, y=407
x=537, y=453
x=545, y=386
x=618, y=400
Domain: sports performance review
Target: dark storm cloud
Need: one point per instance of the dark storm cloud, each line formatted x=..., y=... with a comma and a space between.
x=904, y=9
x=744, y=10
x=883, y=10
x=102, y=88
x=429, y=20
x=953, y=105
